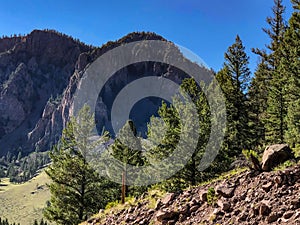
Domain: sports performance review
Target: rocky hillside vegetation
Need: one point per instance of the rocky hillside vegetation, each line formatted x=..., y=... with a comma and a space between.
x=244, y=198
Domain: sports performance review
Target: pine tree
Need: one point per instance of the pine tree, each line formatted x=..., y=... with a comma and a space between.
x=200, y=123
x=257, y=105
x=267, y=121
x=275, y=32
x=168, y=132
x=276, y=110
x=290, y=66
x=76, y=189
x=234, y=80
x=127, y=149
x=164, y=135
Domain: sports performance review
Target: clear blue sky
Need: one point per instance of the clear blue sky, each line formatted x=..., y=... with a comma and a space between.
x=207, y=27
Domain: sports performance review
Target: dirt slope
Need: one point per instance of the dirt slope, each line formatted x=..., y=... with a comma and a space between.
x=245, y=198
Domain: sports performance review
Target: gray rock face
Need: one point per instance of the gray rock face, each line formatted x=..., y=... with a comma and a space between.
x=16, y=98
x=32, y=69
x=39, y=74
x=274, y=155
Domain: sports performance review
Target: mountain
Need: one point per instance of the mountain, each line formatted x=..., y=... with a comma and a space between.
x=33, y=69
x=39, y=74
x=242, y=198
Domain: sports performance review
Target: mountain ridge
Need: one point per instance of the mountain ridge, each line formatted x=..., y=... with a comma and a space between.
x=39, y=74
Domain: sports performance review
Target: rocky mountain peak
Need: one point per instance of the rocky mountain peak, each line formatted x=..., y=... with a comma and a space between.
x=39, y=74
x=33, y=68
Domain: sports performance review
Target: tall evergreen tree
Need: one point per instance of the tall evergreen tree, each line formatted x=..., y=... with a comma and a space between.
x=164, y=134
x=234, y=80
x=276, y=30
x=193, y=132
x=290, y=66
x=275, y=124
x=257, y=105
x=127, y=149
x=76, y=189
x=190, y=172
x=267, y=120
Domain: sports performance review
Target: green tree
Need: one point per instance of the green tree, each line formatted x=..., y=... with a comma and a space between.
x=234, y=80
x=200, y=123
x=276, y=30
x=163, y=135
x=290, y=66
x=127, y=149
x=267, y=103
x=166, y=133
x=76, y=189
x=257, y=105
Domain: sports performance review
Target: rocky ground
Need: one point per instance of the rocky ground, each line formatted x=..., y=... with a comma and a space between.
x=245, y=198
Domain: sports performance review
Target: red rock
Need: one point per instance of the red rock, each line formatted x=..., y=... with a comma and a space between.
x=267, y=187
x=288, y=214
x=264, y=209
x=168, y=198
x=165, y=215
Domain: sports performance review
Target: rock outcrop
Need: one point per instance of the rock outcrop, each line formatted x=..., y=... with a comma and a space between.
x=39, y=74
x=269, y=198
x=275, y=155
x=32, y=69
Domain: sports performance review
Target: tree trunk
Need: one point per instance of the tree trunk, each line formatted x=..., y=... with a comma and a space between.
x=123, y=187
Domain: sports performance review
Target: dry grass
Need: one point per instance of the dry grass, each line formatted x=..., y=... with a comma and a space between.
x=23, y=203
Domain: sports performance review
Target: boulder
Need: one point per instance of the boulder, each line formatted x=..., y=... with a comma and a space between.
x=224, y=205
x=168, y=199
x=275, y=155
x=226, y=191
x=203, y=196
x=166, y=215
x=264, y=209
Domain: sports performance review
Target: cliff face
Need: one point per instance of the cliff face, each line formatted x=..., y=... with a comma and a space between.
x=39, y=74
x=32, y=69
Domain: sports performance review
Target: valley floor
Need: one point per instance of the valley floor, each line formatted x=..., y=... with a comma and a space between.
x=23, y=203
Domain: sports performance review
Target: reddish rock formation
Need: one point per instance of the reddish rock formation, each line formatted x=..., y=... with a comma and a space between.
x=39, y=74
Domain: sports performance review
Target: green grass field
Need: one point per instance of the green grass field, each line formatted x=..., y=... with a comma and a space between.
x=23, y=203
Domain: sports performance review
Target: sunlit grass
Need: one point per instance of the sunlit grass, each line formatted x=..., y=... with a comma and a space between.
x=23, y=203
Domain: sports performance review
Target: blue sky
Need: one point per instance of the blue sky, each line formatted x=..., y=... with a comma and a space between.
x=206, y=27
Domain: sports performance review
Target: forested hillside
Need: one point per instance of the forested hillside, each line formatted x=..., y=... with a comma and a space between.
x=262, y=109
